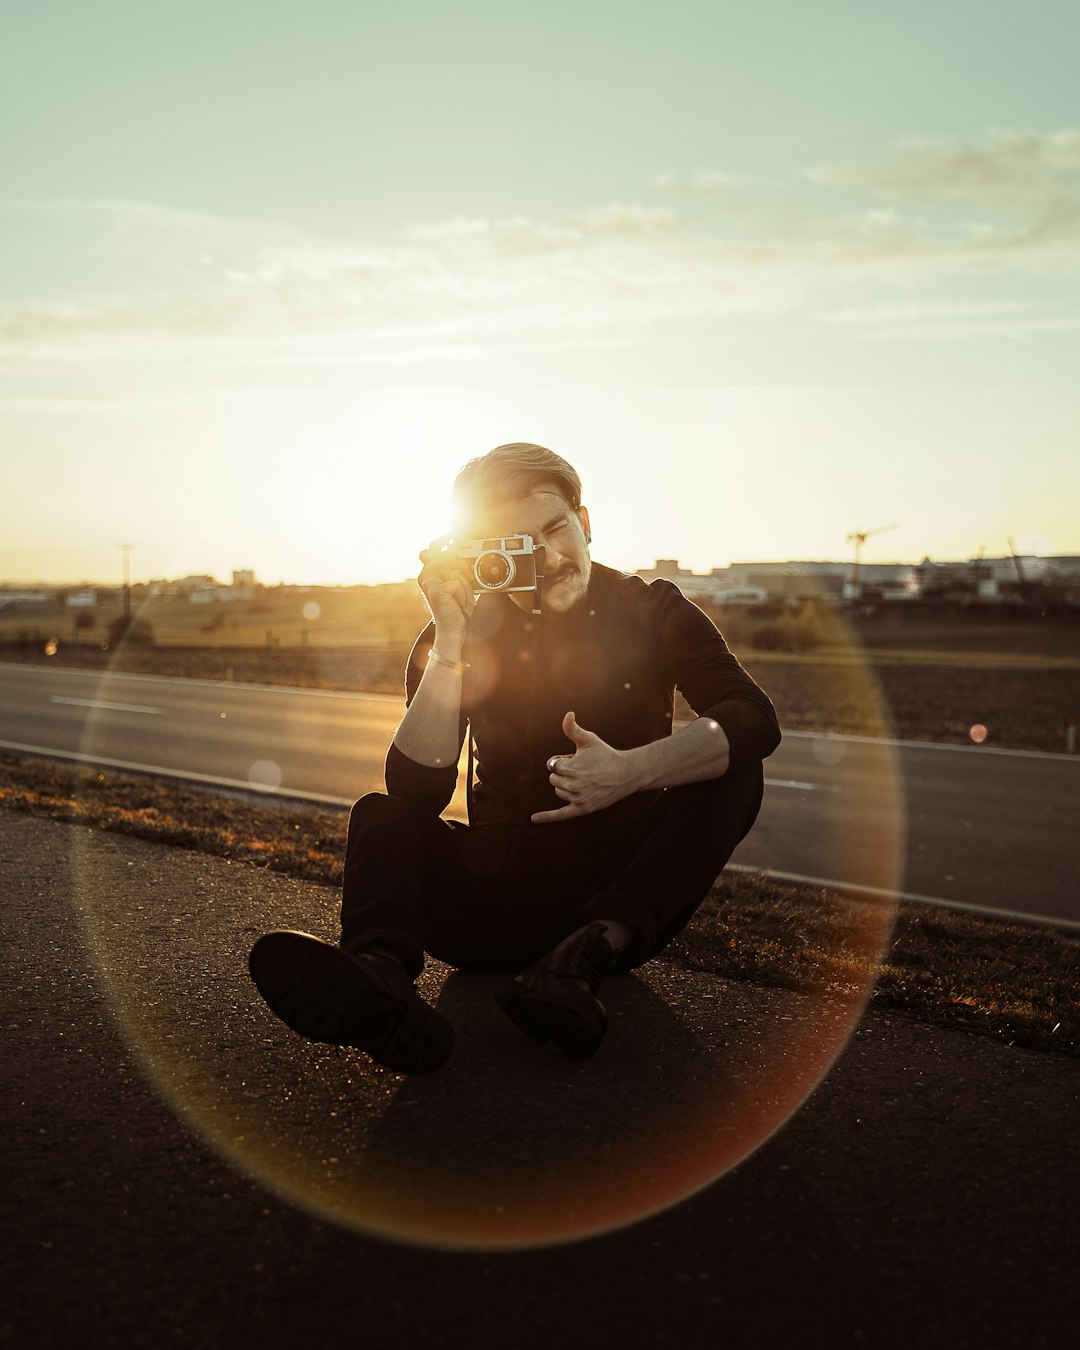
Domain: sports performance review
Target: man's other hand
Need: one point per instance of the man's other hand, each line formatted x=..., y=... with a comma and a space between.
x=594, y=776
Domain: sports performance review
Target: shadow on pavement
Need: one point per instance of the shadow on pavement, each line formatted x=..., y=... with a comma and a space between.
x=513, y=1143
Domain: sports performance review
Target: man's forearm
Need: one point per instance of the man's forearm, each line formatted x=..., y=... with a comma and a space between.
x=597, y=775
x=430, y=731
x=694, y=753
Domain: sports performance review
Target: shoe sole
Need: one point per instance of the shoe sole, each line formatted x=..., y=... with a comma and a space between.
x=325, y=995
x=547, y=1022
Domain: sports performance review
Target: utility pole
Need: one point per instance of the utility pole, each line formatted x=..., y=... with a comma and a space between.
x=126, y=550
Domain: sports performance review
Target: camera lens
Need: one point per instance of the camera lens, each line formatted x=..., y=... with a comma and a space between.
x=494, y=570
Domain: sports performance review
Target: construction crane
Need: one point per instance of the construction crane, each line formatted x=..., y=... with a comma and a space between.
x=1020, y=577
x=858, y=538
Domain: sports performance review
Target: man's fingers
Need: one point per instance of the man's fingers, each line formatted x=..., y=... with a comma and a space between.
x=436, y=547
x=564, y=813
x=577, y=733
x=457, y=588
x=442, y=575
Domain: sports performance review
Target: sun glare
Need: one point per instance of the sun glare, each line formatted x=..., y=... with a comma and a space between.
x=350, y=503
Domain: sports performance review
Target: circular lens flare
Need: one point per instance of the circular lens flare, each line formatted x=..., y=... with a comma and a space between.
x=510, y=1145
x=264, y=773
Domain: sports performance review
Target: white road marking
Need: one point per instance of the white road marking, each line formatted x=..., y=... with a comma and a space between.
x=354, y=695
x=966, y=748
x=890, y=896
x=805, y=787
x=113, y=707
x=180, y=775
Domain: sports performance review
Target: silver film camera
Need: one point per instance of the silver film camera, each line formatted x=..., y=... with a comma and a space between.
x=508, y=563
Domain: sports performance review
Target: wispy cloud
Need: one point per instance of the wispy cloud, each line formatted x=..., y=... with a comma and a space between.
x=112, y=278
x=1019, y=171
x=950, y=321
x=1012, y=193
x=701, y=180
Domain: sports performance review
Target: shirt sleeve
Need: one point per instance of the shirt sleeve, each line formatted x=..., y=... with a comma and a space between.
x=713, y=682
x=429, y=786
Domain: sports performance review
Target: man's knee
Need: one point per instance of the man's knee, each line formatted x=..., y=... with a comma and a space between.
x=734, y=796
x=382, y=809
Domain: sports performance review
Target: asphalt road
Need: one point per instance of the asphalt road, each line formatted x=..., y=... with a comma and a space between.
x=171, y=1151
x=964, y=825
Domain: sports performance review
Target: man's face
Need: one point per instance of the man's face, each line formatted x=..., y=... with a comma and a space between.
x=563, y=532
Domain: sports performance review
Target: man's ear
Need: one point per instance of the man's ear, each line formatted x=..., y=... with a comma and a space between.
x=583, y=516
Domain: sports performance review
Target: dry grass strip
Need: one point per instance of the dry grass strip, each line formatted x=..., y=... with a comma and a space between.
x=1014, y=981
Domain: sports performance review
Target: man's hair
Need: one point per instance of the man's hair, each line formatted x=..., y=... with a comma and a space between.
x=513, y=470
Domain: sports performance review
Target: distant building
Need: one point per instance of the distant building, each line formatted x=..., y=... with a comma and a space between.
x=703, y=586
x=197, y=581
x=206, y=595
x=202, y=589
x=14, y=599
x=740, y=595
x=755, y=583
x=1016, y=580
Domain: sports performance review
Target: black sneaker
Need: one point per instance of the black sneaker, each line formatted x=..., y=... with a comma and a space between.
x=548, y=1003
x=365, y=1001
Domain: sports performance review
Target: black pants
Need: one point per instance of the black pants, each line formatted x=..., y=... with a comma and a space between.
x=488, y=899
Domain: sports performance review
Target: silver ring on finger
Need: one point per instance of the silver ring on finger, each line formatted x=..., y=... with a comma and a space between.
x=552, y=762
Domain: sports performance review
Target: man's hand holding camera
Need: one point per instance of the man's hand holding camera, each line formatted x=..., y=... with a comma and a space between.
x=594, y=776
x=447, y=584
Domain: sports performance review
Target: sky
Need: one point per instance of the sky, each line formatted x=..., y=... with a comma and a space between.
x=767, y=275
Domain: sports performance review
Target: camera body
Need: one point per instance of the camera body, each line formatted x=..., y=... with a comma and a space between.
x=505, y=563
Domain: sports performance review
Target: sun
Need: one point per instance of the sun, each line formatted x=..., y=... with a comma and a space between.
x=351, y=505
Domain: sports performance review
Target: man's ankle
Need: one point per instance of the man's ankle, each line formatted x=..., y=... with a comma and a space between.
x=619, y=935
x=380, y=950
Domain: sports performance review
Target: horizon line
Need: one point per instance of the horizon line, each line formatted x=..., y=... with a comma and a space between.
x=53, y=584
